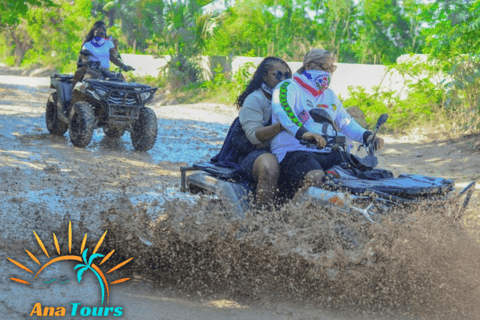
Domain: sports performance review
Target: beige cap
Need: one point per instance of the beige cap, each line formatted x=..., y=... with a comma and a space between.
x=312, y=55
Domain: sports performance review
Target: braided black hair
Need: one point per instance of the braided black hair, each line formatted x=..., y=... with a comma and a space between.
x=257, y=78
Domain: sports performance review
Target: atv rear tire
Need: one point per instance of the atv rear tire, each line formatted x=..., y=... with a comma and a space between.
x=82, y=124
x=113, y=133
x=144, y=133
x=54, y=124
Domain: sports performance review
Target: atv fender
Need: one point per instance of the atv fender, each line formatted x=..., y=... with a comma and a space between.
x=233, y=193
x=63, y=84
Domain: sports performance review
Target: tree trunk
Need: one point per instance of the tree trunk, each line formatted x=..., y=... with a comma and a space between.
x=111, y=18
x=22, y=44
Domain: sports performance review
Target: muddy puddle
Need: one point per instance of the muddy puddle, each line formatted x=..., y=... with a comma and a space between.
x=417, y=265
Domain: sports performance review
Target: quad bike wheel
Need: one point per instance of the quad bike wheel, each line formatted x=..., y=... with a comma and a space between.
x=82, y=124
x=54, y=124
x=113, y=132
x=144, y=133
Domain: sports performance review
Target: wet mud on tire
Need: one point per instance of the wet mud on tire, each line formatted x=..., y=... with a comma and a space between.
x=82, y=124
x=53, y=123
x=144, y=134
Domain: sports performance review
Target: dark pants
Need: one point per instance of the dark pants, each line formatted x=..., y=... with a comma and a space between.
x=246, y=164
x=297, y=164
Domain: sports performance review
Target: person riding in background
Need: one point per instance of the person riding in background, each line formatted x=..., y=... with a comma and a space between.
x=292, y=100
x=255, y=114
x=102, y=49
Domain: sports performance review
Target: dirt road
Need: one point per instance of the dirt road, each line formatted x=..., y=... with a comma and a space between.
x=45, y=182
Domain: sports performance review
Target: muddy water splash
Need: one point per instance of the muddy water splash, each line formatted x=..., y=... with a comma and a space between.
x=415, y=264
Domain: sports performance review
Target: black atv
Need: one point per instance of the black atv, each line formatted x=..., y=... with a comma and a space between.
x=354, y=187
x=108, y=102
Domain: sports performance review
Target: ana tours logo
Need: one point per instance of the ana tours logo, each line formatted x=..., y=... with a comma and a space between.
x=86, y=264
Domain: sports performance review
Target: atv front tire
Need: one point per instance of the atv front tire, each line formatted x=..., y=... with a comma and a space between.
x=144, y=133
x=54, y=124
x=113, y=133
x=82, y=124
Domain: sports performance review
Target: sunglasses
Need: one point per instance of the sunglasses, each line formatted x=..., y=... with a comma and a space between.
x=325, y=66
x=279, y=75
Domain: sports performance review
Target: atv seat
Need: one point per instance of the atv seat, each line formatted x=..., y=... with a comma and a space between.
x=218, y=172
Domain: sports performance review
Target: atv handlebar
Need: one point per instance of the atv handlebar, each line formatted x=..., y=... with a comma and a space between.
x=331, y=141
x=372, y=145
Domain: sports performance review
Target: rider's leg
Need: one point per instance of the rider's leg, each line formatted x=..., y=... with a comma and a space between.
x=297, y=166
x=78, y=76
x=266, y=172
x=314, y=178
x=325, y=160
x=301, y=169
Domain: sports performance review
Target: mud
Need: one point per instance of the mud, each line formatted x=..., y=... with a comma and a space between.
x=191, y=259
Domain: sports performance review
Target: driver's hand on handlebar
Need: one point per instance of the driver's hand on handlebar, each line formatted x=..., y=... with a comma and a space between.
x=379, y=142
x=310, y=136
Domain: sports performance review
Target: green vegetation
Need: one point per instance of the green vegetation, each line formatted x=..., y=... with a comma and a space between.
x=38, y=33
x=450, y=100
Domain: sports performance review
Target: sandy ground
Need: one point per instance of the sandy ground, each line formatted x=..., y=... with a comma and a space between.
x=46, y=182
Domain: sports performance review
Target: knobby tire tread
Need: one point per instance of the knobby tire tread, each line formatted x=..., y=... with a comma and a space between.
x=82, y=124
x=54, y=124
x=144, y=133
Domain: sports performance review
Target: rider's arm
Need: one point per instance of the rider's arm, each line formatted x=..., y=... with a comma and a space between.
x=252, y=117
x=287, y=111
x=114, y=58
x=347, y=124
x=268, y=132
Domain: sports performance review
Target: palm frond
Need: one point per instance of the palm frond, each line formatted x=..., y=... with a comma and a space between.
x=93, y=256
x=80, y=273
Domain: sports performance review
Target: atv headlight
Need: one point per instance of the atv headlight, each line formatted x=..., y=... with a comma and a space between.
x=97, y=93
x=94, y=94
x=145, y=95
x=101, y=92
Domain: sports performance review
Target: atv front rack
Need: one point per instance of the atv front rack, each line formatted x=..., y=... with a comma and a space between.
x=124, y=100
x=344, y=203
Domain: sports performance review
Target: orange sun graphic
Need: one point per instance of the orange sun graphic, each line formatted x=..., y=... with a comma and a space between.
x=90, y=264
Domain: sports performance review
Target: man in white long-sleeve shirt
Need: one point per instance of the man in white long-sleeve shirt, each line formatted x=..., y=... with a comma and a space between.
x=291, y=102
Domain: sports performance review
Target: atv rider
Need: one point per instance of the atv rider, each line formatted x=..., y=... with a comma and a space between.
x=255, y=115
x=291, y=102
x=103, y=51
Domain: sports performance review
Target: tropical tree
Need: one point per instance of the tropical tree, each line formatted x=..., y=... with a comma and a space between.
x=334, y=23
x=453, y=27
x=87, y=266
x=11, y=11
x=185, y=32
x=16, y=40
x=383, y=32
x=133, y=21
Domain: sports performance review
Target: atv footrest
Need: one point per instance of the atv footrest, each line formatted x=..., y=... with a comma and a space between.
x=219, y=172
